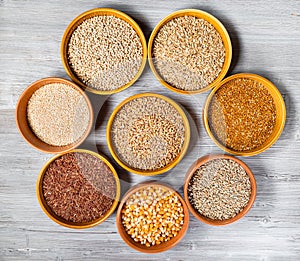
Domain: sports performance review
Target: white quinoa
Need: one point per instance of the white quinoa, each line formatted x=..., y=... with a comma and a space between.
x=58, y=114
x=105, y=52
x=188, y=53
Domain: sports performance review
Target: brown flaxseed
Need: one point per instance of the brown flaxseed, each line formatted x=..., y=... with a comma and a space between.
x=58, y=114
x=219, y=189
x=188, y=53
x=105, y=52
x=147, y=133
x=242, y=114
x=79, y=187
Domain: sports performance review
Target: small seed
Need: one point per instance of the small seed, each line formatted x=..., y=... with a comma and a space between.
x=219, y=189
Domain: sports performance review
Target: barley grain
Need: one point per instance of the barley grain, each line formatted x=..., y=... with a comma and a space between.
x=105, y=52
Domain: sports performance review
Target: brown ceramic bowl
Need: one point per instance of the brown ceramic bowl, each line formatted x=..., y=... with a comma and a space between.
x=48, y=211
x=191, y=172
x=23, y=125
x=156, y=248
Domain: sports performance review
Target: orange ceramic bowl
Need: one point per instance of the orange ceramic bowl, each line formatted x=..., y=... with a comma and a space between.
x=190, y=174
x=48, y=211
x=26, y=131
x=156, y=248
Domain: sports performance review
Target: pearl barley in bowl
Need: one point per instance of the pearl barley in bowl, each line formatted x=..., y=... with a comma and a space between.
x=54, y=115
x=104, y=51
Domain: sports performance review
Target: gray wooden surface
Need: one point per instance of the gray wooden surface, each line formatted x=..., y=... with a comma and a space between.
x=266, y=40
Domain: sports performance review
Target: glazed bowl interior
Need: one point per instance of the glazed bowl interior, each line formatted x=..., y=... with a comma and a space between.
x=156, y=248
x=26, y=131
x=201, y=161
x=172, y=164
x=89, y=14
x=280, y=115
x=48, y=211
x=217, y=25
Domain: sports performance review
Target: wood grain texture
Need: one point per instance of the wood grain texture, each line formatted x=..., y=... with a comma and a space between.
x=266, y=40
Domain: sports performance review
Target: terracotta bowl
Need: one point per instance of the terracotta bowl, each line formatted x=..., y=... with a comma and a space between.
x=218, y=26
x=207, y=220
x=280, y=114
x=89, y=14
x=156, y=248
x=61, y=221
x=26, y=131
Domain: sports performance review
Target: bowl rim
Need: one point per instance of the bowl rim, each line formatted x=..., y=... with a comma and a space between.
x=269, y=86
x=138, y=187
x=51, y=80
x=97, y=12
x=70, y=224
x=189, y=174
x=186, y=135
x=223, y=33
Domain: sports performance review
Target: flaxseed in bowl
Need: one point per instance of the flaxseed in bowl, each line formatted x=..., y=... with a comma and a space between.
x=104, y=51
x=148, y=134
x=78, y=189
x=219, y=189
x=245, y=114
x=189, y=51
x=54, y=115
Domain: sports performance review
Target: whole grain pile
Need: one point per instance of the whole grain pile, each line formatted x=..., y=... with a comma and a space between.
x=147, y=133
x=105, y=52
x=79, y=187
x=242, y=114
x=152, y=215
x=58, y=114
x=219, y=189
x=188, y=53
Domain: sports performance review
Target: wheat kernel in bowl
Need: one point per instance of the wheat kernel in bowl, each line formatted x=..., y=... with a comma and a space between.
x=188, y=53
x=147, y=133
x=58, y=114
x=219, y=189
x=105, y=52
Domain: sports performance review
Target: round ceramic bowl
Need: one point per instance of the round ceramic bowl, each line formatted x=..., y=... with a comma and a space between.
x=280, y=114
x=156, y=248
x=89, y=14
x=61, y=221
x=26, y=131
x=190, y=174
x=148, y=172
x=218, y=26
